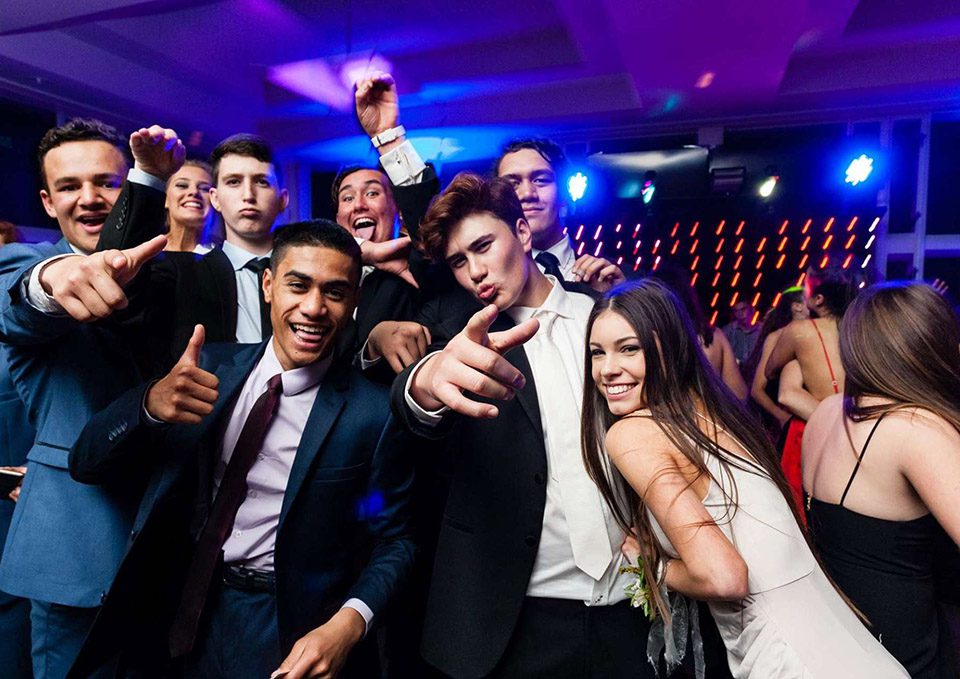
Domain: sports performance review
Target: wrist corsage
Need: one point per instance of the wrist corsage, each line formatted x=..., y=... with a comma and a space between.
x=638, y=590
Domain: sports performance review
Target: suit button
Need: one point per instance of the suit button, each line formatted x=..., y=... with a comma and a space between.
x=133, y=534
x=103, y=597
x=531, y=540
x=538, y=479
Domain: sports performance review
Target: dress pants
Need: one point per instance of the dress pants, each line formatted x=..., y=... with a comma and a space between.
x=15, y=637
x=564, y=639
x=238, y=637
x=58, y=633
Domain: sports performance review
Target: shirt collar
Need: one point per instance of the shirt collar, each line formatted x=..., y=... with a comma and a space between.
x=557, y=302
x=562, y=251
x=238, y=256
x=298, y=380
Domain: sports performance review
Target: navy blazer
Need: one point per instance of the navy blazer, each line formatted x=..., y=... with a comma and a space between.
x=65, y=539
x=343, y=528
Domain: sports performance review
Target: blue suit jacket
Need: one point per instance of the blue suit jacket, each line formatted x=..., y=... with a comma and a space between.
x=343, y=529
x=66, y=539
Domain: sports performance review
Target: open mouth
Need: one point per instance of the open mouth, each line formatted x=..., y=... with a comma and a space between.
x=364, y=223
x=309, y=334
x=92, y=222
x=192, y=204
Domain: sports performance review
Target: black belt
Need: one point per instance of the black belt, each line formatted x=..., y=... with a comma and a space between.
x=248, y=579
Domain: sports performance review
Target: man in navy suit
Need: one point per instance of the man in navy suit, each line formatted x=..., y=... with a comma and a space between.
x=318, y=542
x=65, y=539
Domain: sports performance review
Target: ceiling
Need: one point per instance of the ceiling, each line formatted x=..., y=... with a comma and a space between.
x=471, y=72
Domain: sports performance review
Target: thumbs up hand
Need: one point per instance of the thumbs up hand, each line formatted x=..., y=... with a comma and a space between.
x=187, y=393
x=91, y=287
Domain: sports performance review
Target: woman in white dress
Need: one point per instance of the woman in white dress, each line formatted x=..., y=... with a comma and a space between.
x=696, y=479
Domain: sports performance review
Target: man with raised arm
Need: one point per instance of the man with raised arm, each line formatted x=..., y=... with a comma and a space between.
x=525, y=580
x=65, y=539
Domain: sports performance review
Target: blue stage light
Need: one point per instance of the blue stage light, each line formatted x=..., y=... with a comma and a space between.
x=577, y=186
x=649, y=187
x=859, y=170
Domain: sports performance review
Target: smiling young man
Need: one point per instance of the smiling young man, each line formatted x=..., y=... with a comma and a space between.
x=65, y=540
x=535, y=168
x=525, y=581
x=309, y=490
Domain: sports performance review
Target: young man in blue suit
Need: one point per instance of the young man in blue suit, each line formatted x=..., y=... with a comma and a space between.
x=316, y=541
x=65, y=539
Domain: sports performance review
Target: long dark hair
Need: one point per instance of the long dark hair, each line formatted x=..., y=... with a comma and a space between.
x=679, y=383
x=778, y=317
x=899, y=341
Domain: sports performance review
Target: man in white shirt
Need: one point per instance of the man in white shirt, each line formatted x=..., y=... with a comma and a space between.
x=526, y=579
x=315, y=542
x=535, y=168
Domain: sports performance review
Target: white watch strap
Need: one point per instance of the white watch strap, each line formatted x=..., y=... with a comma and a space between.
x=387, y=136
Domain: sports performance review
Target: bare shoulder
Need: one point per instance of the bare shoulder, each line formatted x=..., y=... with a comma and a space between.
x=771, y=340
x=827, y=412
x=640, y=435
x=918, y=429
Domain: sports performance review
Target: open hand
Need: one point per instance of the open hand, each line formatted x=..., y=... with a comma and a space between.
x=91, y=287
x=391, y=256
x=322, y=652
x=600, y=274
x=473, y=361
x=187, y=393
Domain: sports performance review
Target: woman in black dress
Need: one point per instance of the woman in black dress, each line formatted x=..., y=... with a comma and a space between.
x=881, y=467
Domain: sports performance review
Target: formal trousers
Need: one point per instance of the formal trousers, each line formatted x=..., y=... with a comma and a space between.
x=57, y=633
x=564, y=639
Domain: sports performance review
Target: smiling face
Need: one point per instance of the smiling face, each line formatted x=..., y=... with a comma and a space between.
x=188, y=197
x=617, y=363
x=365, y=205
x=83, y=181
x=535, y=181
x=249, y=197
x=489, y=260
x=312, y=295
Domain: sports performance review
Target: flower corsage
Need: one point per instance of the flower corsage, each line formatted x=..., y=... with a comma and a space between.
x=638, y=590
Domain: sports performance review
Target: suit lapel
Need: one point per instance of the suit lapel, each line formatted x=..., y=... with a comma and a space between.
x=330, y=401
x=518, y=357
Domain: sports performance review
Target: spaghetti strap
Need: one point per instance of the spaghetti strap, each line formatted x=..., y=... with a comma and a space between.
x=823, y=345
x=860, y=458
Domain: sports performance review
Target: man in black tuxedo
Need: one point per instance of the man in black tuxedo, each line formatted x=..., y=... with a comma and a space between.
x=525, y=579
x=315, y=542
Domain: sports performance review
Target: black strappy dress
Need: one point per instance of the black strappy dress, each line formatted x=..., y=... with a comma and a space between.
x=886, y=568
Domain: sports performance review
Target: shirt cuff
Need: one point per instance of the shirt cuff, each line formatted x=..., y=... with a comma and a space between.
x=148, y=418
x=367, y=362
x=362, y=609
x=403, y=165
x=138, y=176
x=34, y=293
x=430, y=418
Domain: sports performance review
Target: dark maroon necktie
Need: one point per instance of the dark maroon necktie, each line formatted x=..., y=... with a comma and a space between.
x=230, y=495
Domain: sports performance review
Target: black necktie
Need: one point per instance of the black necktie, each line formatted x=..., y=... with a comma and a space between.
x=230, y=495
x=258, y=266
x=550, y=264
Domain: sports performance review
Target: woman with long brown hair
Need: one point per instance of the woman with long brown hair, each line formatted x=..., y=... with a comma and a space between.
x=881, y=464
x=188, y=207
x=697, y=480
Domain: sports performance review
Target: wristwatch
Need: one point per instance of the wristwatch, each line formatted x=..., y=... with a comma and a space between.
x=387, y=136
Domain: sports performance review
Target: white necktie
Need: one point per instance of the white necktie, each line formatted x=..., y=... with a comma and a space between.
x=581, y=500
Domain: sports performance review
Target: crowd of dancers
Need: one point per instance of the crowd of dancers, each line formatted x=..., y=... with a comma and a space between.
x=331, y=449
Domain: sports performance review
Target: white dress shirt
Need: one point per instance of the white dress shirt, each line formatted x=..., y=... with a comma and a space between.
x=555, y=575
x=252, y=540
x=248, y=293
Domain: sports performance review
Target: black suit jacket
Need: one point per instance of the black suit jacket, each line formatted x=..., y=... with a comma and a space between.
x=343, y=528
x=181, y=289
x=490, y=530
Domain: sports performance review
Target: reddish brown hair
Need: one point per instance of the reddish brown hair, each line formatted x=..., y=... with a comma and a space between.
x=468, y=194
